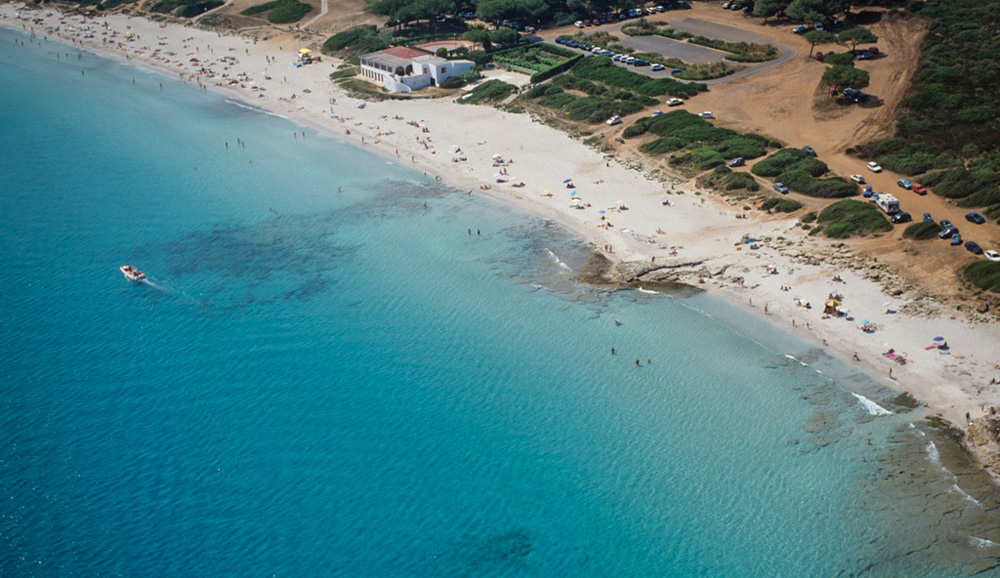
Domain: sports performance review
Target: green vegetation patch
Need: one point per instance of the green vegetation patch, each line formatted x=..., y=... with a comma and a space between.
x=488, y=92
x=729, y=182
x=739, y=51
x=530, y=58
x=850, y=218
x=780, y=205
x=280, y=11
x=951, y=117
x=643, y=27
x=707, y=71
x=357, y=40
x=696, y=142
x=921, y=231
x=984, y=275
x=602, y=70
x=185, y=8
x=598, y=105
x=799, y=171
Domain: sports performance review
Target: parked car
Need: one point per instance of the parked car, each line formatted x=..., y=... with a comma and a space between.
x=614, y=120
x=781, y=188
x=707, y=114
x=737, y=162
x=901, y=217
x=578, y=24
x=677, y=71
x=927, y=218
x=973, y=247
x=956, y=239
x=641, y=62
x=865, y=56
x=868, y=191
x=818, y=26
x=800, y=29
x=860, y=179
x=947, y=233
x=675, y=102
x=974, y=217
x=905, y=183
x=992, y=255
x=919, y=189
x=809, y=150
x=629, y=60
x=657, y=67
x=656, y=113
x=873, y=167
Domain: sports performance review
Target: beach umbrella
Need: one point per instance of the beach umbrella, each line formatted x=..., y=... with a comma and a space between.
x=939, y=339
x=601, y=212
x=568, y=181
x=572, y=193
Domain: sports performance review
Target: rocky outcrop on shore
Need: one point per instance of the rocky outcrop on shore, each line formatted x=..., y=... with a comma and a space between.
x=664, y=276
x=983, y=436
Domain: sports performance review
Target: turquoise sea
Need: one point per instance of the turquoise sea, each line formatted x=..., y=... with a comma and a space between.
x=314, y=383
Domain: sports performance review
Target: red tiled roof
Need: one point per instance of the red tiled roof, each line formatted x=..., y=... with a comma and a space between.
x=406, y=52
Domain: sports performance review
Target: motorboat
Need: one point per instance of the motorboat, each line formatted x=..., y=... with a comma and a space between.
x=131, y=273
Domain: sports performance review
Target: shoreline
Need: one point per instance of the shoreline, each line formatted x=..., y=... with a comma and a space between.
x=696, y=239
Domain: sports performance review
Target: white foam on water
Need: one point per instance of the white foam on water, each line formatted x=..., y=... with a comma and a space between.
x=255, y=109
x=935, y=457
x=982, y=543
x=793, y=358
x=871, y=407
x=641, y=290
x=558, y=261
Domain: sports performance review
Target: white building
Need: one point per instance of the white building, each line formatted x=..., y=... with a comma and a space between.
x=404, y=69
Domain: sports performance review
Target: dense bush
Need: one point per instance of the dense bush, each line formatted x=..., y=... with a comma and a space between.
x=603, y=70
x=839, y=58
x=489, y=92
x=922, y=231
x=952, y=114
x=789, y=159
x=780, y=205
x=600, y=104
x=185, y=8
x=983, y=274
x=740, y=181
x=849, y=218
x=358, y=40
x=739, y=51
x=280, y=11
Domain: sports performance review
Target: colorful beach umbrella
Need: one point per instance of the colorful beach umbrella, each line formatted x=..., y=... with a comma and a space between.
x=568, y=181
x=939, y=339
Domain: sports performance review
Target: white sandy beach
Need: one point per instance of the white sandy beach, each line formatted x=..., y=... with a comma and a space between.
x=693, y=228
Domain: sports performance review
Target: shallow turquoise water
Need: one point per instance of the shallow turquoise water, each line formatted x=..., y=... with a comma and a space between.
x=317, y=384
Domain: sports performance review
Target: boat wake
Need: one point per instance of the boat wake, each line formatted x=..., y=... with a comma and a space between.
x=558, y=261
x=870, y=406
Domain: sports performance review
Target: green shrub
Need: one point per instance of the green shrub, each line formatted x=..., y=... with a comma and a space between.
x=358, y=40
x=780, y=205
x=839, y=58
x=850, y=218
x=603, y=70
x=984, y=275
x=808, y=217
x=488, y=92
x=921, y=231
x=789, y=159
x=635, y=130
x=740, y=181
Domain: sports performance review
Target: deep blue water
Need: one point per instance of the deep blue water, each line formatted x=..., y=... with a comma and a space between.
x=317, y=383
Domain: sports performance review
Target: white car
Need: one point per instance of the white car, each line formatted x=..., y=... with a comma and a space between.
x=614, y=120
x=992, y=255
x=656, y=67
x=578, y=24
x=706, y=114
x=860, y=179
x=675, y=102
x=873, y=167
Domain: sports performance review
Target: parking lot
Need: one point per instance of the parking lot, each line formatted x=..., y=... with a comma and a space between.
x=685, y=51
x=690, y=53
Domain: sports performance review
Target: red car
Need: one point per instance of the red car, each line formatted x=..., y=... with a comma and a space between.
x=919, y=189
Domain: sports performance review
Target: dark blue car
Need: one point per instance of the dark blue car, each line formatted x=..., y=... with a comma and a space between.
x=974, y=217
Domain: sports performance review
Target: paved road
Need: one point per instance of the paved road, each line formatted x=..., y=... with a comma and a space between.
x=323, y=9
